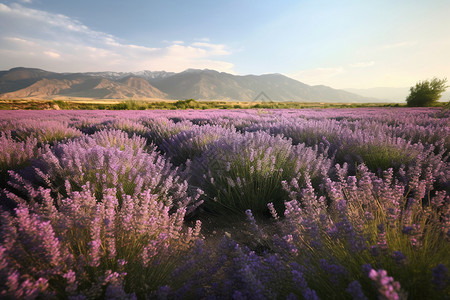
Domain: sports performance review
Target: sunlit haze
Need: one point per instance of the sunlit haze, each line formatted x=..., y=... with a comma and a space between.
x=342, y=44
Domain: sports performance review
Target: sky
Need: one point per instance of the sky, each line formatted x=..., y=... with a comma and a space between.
x=341, y=44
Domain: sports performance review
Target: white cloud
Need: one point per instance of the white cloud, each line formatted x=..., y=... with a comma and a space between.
x=52, y=54
x=216, y=49
x=19, y=41
x=4, y=8
x=69, y=45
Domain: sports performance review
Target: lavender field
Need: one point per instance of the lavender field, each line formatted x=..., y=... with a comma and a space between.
x=225, y=204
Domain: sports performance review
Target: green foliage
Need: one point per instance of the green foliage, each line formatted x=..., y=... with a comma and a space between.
x=130, y=105
x=174, y=105
x=446, y=106
x=378, y=157
x=426, y=93
x=187, y=104
x=61, y=104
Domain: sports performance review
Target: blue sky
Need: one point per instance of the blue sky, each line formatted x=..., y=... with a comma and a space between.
x=342, y=44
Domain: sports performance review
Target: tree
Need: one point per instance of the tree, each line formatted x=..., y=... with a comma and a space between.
x=426, y=93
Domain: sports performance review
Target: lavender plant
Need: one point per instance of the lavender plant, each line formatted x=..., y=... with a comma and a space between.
x=44, y=131
x=246, y=171
x=115, y=139
x=160, y=129
x=370, y=220
x=102, y=214
x=14, y=153
x=86, y=248
x=190, y=144
x=108, y=159
x=132, y=127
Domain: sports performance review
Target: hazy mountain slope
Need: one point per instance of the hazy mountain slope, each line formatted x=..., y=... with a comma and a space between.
x=202, y=85
x=19, y=78
x=43, y=88
x=208, y=84
x=192, y=83
x=33, y=83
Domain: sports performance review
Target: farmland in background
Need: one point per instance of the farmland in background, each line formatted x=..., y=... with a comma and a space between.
x=108, y=104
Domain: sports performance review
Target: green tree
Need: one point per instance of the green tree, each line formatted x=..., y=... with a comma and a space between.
x=426, y=93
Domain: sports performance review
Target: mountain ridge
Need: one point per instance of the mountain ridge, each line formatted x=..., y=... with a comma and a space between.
x=192, y=83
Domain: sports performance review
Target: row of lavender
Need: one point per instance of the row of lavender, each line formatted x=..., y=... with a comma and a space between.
x=337, y=203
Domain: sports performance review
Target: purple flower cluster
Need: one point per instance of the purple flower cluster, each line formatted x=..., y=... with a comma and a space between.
x=14, y=153
x=83, y=236
x=45, y=131
x=110, y=159
x=241, y=171
x=293, y=203
x=388, y=289
x=191, y=143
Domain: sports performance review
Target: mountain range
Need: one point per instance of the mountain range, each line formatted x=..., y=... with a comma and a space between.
x=23, y=83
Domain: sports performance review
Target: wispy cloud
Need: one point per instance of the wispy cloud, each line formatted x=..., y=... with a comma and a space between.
x=52, y=54
x=4, y=8
x=65, y=44
x=216, y=49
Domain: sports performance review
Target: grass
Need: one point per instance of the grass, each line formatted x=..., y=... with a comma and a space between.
x=112, y=104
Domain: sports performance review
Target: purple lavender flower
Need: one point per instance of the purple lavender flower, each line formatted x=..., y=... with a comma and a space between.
x=302, y=285
x=335, y=272
x=291, y=296
x=399, y=257
x=387, y=288
x=366, y=268
x=407, y=230
x=354, y=288
x=93, y=200
x=440, y=276
x=381, y=239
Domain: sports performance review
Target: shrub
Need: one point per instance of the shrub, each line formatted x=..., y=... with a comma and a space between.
x=130, y=105
x=186, y=104
x=114, y=139
x=160, y=129
x=245, y=171
x=85, y=248
x=14, y=154
x=371, y=223
x=426, y=93
x=189, y=144
x=108, y=159
x=44, y=131
x=129, y=126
